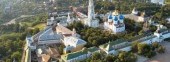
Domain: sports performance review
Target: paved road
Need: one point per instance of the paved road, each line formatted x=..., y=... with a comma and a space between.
x=13, y=21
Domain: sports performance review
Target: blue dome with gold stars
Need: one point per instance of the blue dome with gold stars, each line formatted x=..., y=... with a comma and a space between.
x=121, y=17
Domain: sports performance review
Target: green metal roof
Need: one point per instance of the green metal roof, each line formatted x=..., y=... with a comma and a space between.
x=118, y=41
x=112, y=43
x=92, y=49
x=161, y=30
x=73, y=55
x=139, y=37
x=147, y=38
x=79, y=53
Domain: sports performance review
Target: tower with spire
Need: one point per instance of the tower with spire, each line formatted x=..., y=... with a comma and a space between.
x=74, y=34
x=69, y=20
x=134, y=11
x=91, y=12
x=50, y=21
x=146, y=26
x=141, y=18
x=91, y=21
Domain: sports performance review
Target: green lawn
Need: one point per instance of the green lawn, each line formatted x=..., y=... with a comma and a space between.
x=167, y=1
x=26, y=24
x=41, y=26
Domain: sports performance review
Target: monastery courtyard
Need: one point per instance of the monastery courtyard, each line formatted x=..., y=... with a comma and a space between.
x=162, y=57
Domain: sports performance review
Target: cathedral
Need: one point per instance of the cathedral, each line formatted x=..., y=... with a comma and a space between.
x=115, y=23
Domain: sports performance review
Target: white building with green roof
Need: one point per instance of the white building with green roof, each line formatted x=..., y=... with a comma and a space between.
x=79, y=55
x=162, y=33
x=159, y=35
x=114, y=46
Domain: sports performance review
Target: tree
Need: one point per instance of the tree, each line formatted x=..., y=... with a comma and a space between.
x=16, y=55
x=60, y=48
x=141, y=32
x=77, y=25
x=126, y=57
x=96, y=56
x=150, y=54
x=135, y=46
x=146, y=50
x=155, y=45
x=8, y=60
x=122, y=56
x=132, y=26
x=110, y=58
x=143, y=48
x=103, y=7
x=161, y=49
x=153, y=28
x=158, y=15
x=36, y=30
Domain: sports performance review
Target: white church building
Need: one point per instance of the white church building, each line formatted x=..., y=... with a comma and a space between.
x=115, y=23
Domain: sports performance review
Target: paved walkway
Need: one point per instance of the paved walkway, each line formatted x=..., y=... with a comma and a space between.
x=141, y=58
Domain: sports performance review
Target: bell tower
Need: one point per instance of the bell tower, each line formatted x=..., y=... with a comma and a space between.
x=91, y=13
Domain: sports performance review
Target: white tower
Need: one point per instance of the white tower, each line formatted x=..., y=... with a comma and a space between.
x=141, y=18
x=74, y=32
x=90, y=12
x=68, y=18
x=50, y=21
x=134, y=11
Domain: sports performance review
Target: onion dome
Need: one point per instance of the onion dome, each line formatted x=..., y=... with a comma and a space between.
x=116, y=18
x=121, y=17
x=110, y=17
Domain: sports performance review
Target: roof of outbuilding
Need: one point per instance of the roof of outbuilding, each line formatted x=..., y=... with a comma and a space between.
x=74, y=40
x=63, y=29
x=49, y=35
x=109, y=46
x=79, y=53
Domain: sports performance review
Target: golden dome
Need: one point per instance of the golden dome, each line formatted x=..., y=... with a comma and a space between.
x=115, y=12
x=143, y=14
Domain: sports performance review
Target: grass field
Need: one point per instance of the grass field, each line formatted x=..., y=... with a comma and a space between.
x=26, y=23
x=167, y=1
x=41, y=26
